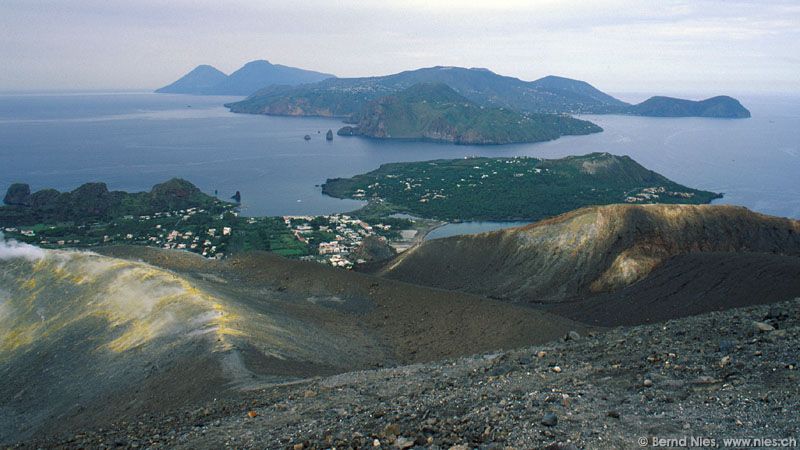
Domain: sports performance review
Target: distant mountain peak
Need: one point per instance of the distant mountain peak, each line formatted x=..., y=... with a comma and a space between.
x=559, y=78
x=198, y=79
x=345, y=97
x=206, y=67
x=553, y=94
x=254, y=75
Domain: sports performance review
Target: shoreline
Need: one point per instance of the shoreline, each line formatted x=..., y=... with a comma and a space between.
x=429, y=225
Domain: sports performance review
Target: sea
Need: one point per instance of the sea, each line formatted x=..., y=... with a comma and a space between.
x=133, y=140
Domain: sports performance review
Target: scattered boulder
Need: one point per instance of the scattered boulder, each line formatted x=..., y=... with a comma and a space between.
x=403, y=443
x=550, y=420
x=392, y=429
x=573, y=336
x=763, y=327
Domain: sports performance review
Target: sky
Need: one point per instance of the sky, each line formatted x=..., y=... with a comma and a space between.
x=706, y=47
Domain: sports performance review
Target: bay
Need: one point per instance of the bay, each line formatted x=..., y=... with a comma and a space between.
x=132, y=140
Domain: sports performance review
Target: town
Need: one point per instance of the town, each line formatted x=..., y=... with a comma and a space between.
x=337, y=237
x=652, y=194
x=331, y=239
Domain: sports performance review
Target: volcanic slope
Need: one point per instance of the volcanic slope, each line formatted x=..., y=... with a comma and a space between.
x=729, y=374
x=86, y=338
x=672, y=254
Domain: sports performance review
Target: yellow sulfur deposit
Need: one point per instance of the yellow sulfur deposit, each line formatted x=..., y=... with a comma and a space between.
x=138, y=302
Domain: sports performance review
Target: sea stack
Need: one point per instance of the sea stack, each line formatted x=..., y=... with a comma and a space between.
x=18, y=194
x=329, y=135
x=237, y=197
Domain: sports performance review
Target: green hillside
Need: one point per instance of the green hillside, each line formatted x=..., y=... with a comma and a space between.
x=435, y=112
x=345, y=97
x=723, y=107
x=512, y=188
x=93, y=201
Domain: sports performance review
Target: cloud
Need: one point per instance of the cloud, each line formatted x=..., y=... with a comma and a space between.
x=11, y=249
x=622, y=45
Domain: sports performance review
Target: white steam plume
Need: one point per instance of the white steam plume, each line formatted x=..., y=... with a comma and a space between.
x=10, y=249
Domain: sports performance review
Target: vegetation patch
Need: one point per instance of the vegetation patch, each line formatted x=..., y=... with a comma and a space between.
x=511, y=188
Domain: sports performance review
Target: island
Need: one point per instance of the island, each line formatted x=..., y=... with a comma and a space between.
x=435, y=112
x=202, y=78
x=346, y=97
x=177, y=215
x=722, y=106
x=207, y=80
x=518, y=188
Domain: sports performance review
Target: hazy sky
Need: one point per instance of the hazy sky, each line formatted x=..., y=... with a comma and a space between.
x=651, y=46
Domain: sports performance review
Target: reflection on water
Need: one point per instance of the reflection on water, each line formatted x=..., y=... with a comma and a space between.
x=453, y=229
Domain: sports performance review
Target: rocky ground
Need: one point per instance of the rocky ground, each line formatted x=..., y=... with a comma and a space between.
x=718, y=375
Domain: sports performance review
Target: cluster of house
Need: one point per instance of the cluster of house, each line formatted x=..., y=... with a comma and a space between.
x=334, y=237
x=653, y=193
x=44, y=241
x=29, y=233
x=347, y=233
x=471, y=180
x=205, y=244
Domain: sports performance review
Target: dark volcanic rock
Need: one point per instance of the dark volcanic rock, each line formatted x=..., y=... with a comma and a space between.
x=550, y=420
x=348, y=131
x=18, y=194
x=93, y=201
x=462, y=404
x=613, y=248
